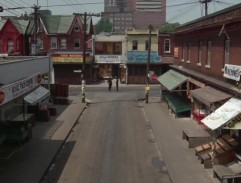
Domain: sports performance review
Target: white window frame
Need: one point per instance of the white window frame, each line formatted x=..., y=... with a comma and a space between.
x=147, y=45
x=76, y=41
x=209, y=54
x=63, y=43
x=54, y=42
x=200, y=45
x=167, y=44
x=134, y=45
x=40, y=43
x=76, y=27
x=227, y=51
x=10, y=45
x=188, y=51
x=183, y=50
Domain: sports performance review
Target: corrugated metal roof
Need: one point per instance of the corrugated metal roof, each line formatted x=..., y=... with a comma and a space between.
x=171, y=79
x=208, y=95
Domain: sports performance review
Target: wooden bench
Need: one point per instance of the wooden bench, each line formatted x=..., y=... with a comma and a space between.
x=196, y=137
x=231, y=141
x=202, y=148
x=224, y=144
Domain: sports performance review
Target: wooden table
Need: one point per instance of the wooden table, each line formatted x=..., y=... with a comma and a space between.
x=196, y=137
x=226, y=174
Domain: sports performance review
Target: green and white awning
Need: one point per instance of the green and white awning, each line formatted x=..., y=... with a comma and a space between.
x=172, y=79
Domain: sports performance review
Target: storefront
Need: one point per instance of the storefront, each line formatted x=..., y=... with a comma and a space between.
x=111, y=66
x=66, y=63
x=15, y=123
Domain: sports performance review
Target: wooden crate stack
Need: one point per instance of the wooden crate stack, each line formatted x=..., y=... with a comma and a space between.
x=60, y=94
x=224, y=151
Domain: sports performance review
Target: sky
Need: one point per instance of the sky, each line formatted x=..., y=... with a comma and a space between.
x=177, y=10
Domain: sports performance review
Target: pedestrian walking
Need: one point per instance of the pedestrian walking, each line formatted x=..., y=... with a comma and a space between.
x=117, y=84
x=109, y=83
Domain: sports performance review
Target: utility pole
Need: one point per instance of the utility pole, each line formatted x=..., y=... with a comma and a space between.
x=147, y=89
x=83, y=76
x=35, y=40
x=206, y=5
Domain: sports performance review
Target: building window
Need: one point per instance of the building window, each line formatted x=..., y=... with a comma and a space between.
x=167, y=46
x=200, y=52
x=63, y=43
x=76, y=27
x=53, y=42
x=147, y=45
x=183, y=51
x=40, y=43
x=77, y=43
x=227, y=51
x=10, y=46
x=134, y=45
x=209, y=53
x=188, y=51
x=18, y=45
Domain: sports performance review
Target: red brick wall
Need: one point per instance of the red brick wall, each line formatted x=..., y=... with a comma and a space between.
x=217, y=50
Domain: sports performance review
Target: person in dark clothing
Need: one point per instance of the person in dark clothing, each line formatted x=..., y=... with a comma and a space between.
x=117, y=84
x=110, y=83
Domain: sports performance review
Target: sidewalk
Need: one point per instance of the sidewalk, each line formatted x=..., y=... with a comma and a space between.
x=31, y=160
x=180, y=160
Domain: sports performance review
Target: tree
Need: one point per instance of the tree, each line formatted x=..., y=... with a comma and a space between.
x=168, y=27
x=103, y=25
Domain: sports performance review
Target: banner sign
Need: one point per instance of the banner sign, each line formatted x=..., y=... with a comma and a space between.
x=19, y=88
x=69, y=58
x=232, y=72
x=109, y=59
x=142, y=56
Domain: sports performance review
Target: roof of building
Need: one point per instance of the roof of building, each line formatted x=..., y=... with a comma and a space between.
x=198, y=22
x=59, y=24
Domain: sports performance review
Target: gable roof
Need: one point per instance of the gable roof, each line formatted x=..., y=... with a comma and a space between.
x=58, y=24
x=20, y=25
x=2, y=23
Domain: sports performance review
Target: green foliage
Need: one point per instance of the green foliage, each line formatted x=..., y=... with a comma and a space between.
x=103, y=25
x=168, y=27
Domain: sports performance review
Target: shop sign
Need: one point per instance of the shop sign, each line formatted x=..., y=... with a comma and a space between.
x=19, y=88
x=108, y=59
x=142, y=57
x=69, y=58
x=232, y=72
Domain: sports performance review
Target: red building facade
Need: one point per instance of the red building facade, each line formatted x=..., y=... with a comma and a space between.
x=13, y=37
x=206, y=45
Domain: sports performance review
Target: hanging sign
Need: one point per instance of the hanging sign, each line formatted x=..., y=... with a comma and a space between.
x=232, y=72
x=19, y=88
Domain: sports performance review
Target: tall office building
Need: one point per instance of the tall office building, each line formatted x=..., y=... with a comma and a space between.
x=126, y=14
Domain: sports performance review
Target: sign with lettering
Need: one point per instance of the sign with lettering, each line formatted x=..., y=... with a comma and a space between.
x=232, y=72
x=69, y=58
x=142, y=57
x=19, y=88
x=110, y=59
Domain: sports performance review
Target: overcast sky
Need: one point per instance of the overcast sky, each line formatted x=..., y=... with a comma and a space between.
x=177, y=10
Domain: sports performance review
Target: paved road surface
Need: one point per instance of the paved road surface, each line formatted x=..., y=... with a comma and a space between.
x=113, y=143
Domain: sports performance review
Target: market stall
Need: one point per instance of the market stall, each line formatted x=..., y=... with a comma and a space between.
x=225, y=121
x=206, y=100
x=174, y=93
